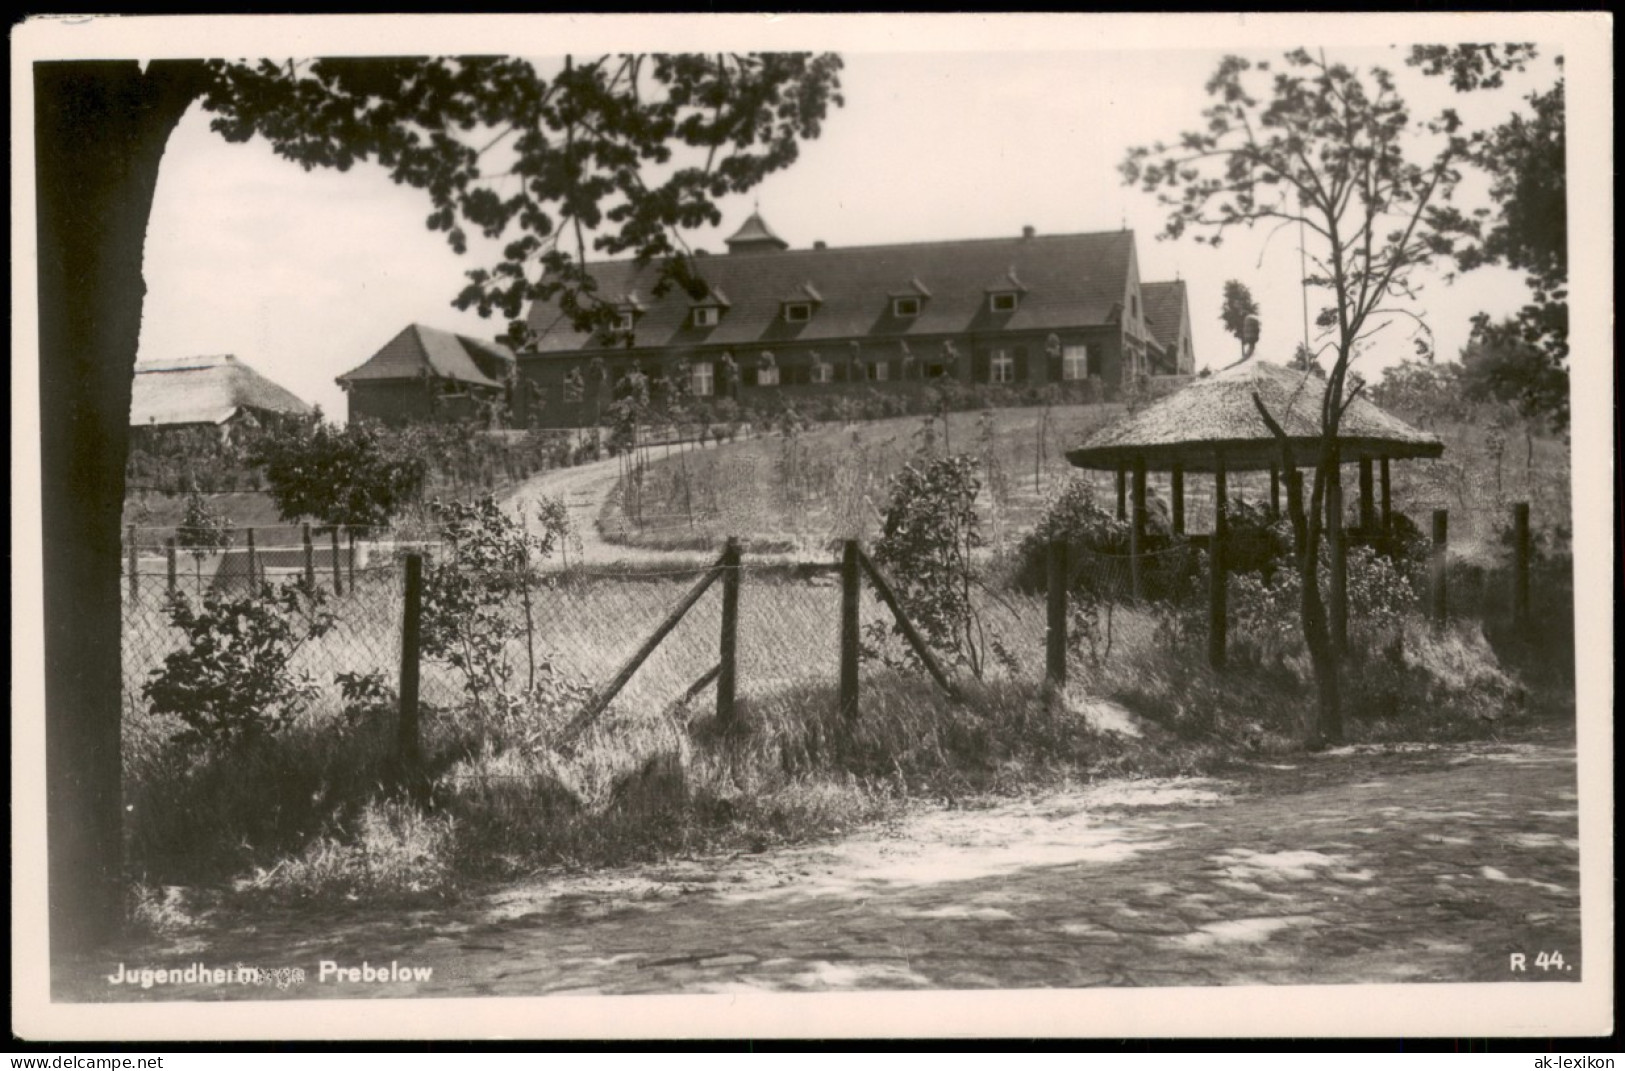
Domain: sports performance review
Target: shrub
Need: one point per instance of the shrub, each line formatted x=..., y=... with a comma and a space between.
x=469, y=605
x=927, y=546
x=231, y=684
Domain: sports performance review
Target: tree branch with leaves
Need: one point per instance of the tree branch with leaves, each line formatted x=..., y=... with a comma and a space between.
x=1334, y=149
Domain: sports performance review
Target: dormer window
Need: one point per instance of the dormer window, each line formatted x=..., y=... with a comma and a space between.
x=797, y=312
x=1005, y=302
x=705, y=315
x=905, y=307
x=626, y=320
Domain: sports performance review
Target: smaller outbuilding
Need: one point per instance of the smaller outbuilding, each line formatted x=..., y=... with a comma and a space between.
x=427, y=374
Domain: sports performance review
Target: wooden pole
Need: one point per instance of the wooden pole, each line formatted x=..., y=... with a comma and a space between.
x=883, y=588
x=310, y=560
x=1338, y=609
x=850, y=613
x=1055, y=634
x=1122, y=493
x=1177, y=493
x=338, y=570
x=1136, y=532
x=1275, y=493
x=1368, y=497
x=1216, y=578
x=169, y=553
x=1387, y=500
x=1520, y=565
x=1294, y=503
x=727, y=672
x=1441, y=545
x=253, y=564
x=351, y=563
x=133, y=562
x=406, y=740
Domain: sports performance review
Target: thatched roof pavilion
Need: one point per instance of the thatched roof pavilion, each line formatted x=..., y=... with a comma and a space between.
x=1213, y=425
x=1215, y=418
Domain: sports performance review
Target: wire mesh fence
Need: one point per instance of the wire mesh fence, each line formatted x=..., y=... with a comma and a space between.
x=583, y=625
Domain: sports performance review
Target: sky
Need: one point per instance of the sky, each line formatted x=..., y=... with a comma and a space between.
x=304, y=275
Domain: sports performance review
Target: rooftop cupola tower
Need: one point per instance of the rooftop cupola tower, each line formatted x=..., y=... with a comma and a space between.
x=755, y=236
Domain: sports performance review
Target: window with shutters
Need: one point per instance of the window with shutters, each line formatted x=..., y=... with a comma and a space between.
x=1001, y=368
x=878, y=371
x=702, y=379
x=767, y=377
x=1075, y=362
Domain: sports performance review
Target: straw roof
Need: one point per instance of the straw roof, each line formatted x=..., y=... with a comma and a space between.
x=1216, y=417
x=203, y=390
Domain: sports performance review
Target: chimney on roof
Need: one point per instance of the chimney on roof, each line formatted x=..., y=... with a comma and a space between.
x=819, y=244
x=1028, y=231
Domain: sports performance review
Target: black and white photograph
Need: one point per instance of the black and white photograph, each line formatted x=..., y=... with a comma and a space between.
x=811, y=526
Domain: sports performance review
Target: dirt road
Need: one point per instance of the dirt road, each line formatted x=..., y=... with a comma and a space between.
x=1434, y=864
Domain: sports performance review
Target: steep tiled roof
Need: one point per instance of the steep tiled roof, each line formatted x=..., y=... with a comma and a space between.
x=203, y=390
x=1070, y=280
x=1164, y=302
x=419, y=348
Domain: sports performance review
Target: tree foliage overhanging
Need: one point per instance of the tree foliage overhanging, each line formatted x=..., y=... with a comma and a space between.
x=611, y=154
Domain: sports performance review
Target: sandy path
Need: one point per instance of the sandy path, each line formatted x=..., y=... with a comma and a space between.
x=1431, y=865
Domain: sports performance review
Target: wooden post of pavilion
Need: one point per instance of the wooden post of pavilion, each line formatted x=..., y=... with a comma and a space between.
x=1137, y=532
x=1216, y=579
x=1387, y=500
x=1368, y=497
x=1176, y=491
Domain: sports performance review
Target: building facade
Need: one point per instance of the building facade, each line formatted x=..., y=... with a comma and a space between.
x=765, y=319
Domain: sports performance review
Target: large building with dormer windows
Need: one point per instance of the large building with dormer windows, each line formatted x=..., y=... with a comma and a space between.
x=765, y=318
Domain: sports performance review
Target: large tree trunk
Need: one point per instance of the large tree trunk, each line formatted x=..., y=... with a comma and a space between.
x=100, y=130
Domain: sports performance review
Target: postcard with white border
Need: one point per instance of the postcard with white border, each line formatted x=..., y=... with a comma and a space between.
x=811, y=526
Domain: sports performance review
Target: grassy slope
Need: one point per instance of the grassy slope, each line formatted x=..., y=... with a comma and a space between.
x=838, y=482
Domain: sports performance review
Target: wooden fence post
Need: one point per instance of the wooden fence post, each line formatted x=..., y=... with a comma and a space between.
x=850, y=623
x=338, y=570
x=1122, y=493
x=310, y=560
x=1520, y=565
x=351, y=563
x=133, y=561
x=1275, y=493
x=728, y=660
x=1216, y=578
x=253, y=565
x=1055, y=634
x=406, y=739
x=169, y=553
x=1337, y=550
x=1441, y=544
